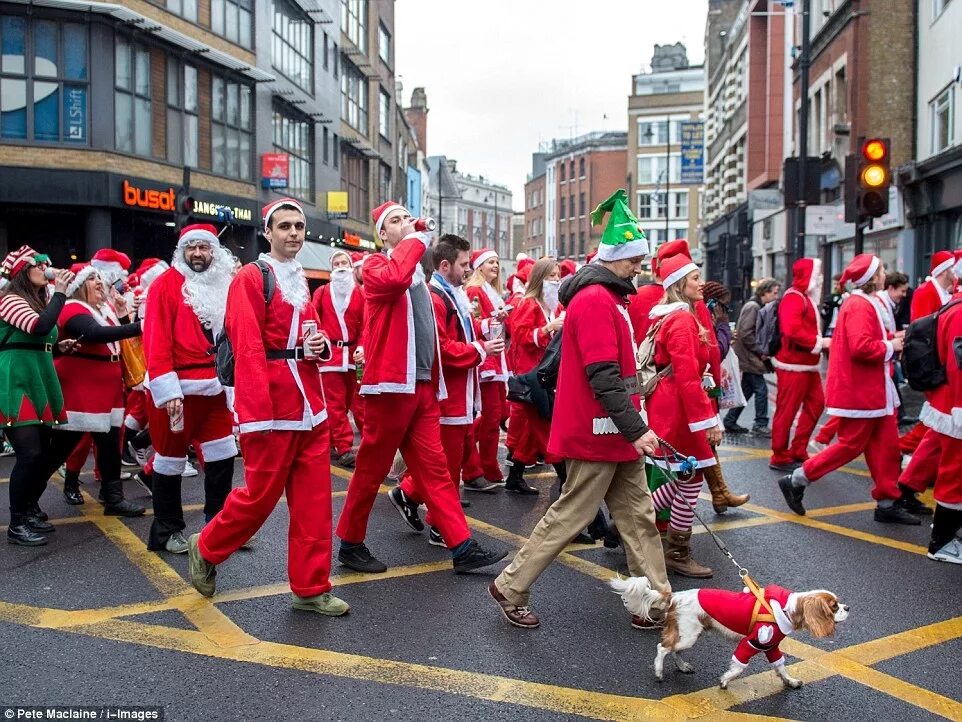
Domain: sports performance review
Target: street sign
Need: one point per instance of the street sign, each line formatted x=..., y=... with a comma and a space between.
x=275, y=169
x=337, y=204
x=821, y=220
x=693, y=152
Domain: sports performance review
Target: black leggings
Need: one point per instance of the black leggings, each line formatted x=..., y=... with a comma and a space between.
x=27, y=480
x=63, y=443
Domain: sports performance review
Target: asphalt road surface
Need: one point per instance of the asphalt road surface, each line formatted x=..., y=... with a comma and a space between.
x=95, y=619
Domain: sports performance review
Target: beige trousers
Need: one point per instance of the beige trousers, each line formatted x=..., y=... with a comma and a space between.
x=624, y=488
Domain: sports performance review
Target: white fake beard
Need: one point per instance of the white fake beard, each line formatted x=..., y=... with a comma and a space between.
x=342, y=285
x=550, y=292
x=290, y=281
x=206, y=292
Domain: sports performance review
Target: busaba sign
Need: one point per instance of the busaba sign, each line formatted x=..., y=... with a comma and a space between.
x=157, y=200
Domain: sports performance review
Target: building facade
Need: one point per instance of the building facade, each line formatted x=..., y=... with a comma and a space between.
x=535, y=208
x=664, y=97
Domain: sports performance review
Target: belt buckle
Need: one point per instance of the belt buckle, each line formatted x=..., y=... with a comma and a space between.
x=48, y=348
x=114, y=357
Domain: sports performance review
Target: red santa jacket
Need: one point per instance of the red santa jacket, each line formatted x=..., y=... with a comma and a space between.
x=799, y=323
x=275, y=394
x=943, y=410
x=859, y=384
x=528, y=343
x=176, y=346
x=460, y=357
x=927, y=299
x=389, y=320
x=737, y=611
x=639, y=309
x=343, y=328
x=495, y=367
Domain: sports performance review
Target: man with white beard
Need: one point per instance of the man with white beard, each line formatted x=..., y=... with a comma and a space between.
x=340, y=305
x=186, y=403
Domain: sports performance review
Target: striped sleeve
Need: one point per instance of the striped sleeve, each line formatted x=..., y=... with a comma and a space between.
x=18, y=313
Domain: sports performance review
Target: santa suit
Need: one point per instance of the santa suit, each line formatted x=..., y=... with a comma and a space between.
x=639, y=309
x=742, y=613
x=400, y=412
x=860, y=391
x=461, y=355
x=284, y=437
x=180, y=366
x=527, y=431
x=494, y=377
x=343, y=325
x=797, y=366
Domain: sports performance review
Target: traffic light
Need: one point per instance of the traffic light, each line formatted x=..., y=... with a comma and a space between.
x=874, y=177
x=183, y=208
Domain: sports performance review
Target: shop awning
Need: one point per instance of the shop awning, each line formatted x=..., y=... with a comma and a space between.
x=316, y=258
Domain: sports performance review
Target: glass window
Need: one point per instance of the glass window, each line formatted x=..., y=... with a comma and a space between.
x=230, y=128
x=943, y=120
x=327, y=51
x=293, y=134
x=232, y=19
x=581, y=204
x=182, y=126
x=335, y=149
x=354, y=22
x=680, y=209
x=651, y=169
x=185, y=8
x=292, y=47
x=561, y=172
x=384, y=184
x=581, y=167
x=656, y=132
x=353, y=97
x=646, y=206
x=384, y=116
x=354, y=179
x=383, y=44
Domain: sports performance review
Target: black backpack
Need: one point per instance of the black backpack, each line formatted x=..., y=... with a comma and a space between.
x=537, y=387
x=768, y=332
x=223, y=351
x=920, y=353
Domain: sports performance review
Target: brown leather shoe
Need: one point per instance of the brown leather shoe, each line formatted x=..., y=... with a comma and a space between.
x=518, y=616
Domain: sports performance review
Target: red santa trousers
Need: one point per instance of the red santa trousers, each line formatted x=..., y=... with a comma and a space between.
x=487, y=429
x=78, y=457
x=828, y=431
x=457, y=442
x=137, y=415
x=911, y=439
x=796, y=390
x=877, y=438
x=208, y=425
x=411, y=423
x=340, y=394
x=530, y=436
x=925, y=464
x=295, y=463
x=948, y=483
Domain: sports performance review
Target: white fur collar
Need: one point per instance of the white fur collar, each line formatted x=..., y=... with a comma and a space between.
x=663, y=309
x=290, y=280
x=493, y=295
x=783, y=617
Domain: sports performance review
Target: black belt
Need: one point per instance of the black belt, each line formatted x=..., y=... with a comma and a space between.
x=342, y=344
x=27, y=346
x=297, y=354
x=112, y=358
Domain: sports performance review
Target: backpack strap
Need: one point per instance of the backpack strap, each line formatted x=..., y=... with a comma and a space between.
x=451, y=311
x=269, y=282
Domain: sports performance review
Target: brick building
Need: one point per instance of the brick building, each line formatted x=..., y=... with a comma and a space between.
x=535, y=209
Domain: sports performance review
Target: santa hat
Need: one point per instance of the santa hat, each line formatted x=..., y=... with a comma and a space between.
x=482, y=256
x=675, y=268
x=150, y=270
x=20, y=259
x=133, y=281
x=941, y=261
x=567, y=267
x=524, y=269
x=381, y=213
x=342, y=252
x=521, y=256
x=85, y=271
x=357, y=259
x=957, y=268
x=667, y=250
x=108, y=259
x=860, y=271
x=198, y=233
x=803, y=271
x=268, y=210
x=622, y=237
x=590, y=258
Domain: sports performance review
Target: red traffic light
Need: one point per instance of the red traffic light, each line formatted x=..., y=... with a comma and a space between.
x=875, y=150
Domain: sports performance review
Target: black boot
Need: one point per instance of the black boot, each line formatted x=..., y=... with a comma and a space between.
x=71, y=488
x=909, y=501
x=516, y=483
x=19, y=532
x=598, y=529
x=168, y=511
x=114, y=502
x=36, y=511
x=945, y=525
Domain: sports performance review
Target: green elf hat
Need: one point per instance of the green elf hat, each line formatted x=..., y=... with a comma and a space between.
x=623, y=237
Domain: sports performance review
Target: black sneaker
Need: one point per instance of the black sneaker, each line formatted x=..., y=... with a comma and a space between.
x=793, y=494
x=145, y=481
x=786, y=467
x=895, y=514
x=407, y=508
x=39, y=525
x=762, y=431
x=126, y=458
x=465, y=504
x=347, y=460
x=480, y=484
x=360, y=559
x=910, y=502
x=476, y=557
x=435, y=538
x=520, y=487
x=735, y=429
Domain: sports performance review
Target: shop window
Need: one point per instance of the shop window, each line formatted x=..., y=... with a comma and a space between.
x=231, y=128
x=187, y=9
x=181, y=113
x=46, y=99
x=353, y=97
x=232, y=19
x=132, y=121
x=292, y=44
x=293, y=135
x=354, y=22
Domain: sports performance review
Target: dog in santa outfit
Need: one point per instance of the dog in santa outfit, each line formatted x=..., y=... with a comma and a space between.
x=280, y=410
x=861, y=393
x=757, y=619
x=402, y=384
x=797, y=366
x=340, y=306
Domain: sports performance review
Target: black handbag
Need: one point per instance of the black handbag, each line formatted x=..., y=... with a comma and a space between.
x=519, y=390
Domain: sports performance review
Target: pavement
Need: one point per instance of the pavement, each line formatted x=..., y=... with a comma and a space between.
x=93, y=618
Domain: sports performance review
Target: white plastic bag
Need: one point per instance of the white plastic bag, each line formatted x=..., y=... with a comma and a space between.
x=732, y=396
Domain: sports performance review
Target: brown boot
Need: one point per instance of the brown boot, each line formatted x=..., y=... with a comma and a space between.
x=678, y=556
x=721, y=496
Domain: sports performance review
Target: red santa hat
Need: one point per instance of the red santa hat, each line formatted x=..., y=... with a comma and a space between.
x=82, y=272
x=941, y=262
x=675, y=268
x=150, y=270
x=357, y=259
x=268, y=210
x=591, y=256
x=957, y=267
x=20, y=259
x=667, y=250
x=108, y=259
x=521, y=256
x=198, y=233
x=803, y=271
x=524, y=269
x=342, y=252
x=383, y=211
x=860, y=271
x=482, y=256
x=567, y=267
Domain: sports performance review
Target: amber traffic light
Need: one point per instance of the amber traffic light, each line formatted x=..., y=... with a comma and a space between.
x=874, y=177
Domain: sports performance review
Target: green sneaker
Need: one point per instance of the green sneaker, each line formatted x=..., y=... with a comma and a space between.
x=325, y=603
x=202, y=572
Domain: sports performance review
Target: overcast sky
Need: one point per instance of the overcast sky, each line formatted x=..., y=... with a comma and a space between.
x=503, y=75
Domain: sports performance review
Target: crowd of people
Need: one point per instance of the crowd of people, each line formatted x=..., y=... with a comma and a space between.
x=424, y=352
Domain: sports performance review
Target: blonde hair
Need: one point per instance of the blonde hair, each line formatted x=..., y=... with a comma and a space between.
x=478, y=279
x=675, y=293
x=539, y=272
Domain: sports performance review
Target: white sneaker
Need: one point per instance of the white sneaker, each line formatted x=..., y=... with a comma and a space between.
x=815, y=447
x=951, y=552
x=189, y=469
x=7, y=449
x=176, y=544
x=62, y=472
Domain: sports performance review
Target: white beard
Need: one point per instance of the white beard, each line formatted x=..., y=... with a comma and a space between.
x=290, y=281
x=206, y=292
x=550, y=292
x=342, y=286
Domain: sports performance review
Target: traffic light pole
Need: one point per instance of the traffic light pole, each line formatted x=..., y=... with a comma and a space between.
x=804, y=62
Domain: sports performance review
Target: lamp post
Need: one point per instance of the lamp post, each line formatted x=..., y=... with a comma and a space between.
x=649, y=134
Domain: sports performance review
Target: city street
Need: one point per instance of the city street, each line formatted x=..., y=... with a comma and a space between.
x=94, y=618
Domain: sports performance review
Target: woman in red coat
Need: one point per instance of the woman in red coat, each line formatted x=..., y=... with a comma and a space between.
x=536, y=319
x=680, y=410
